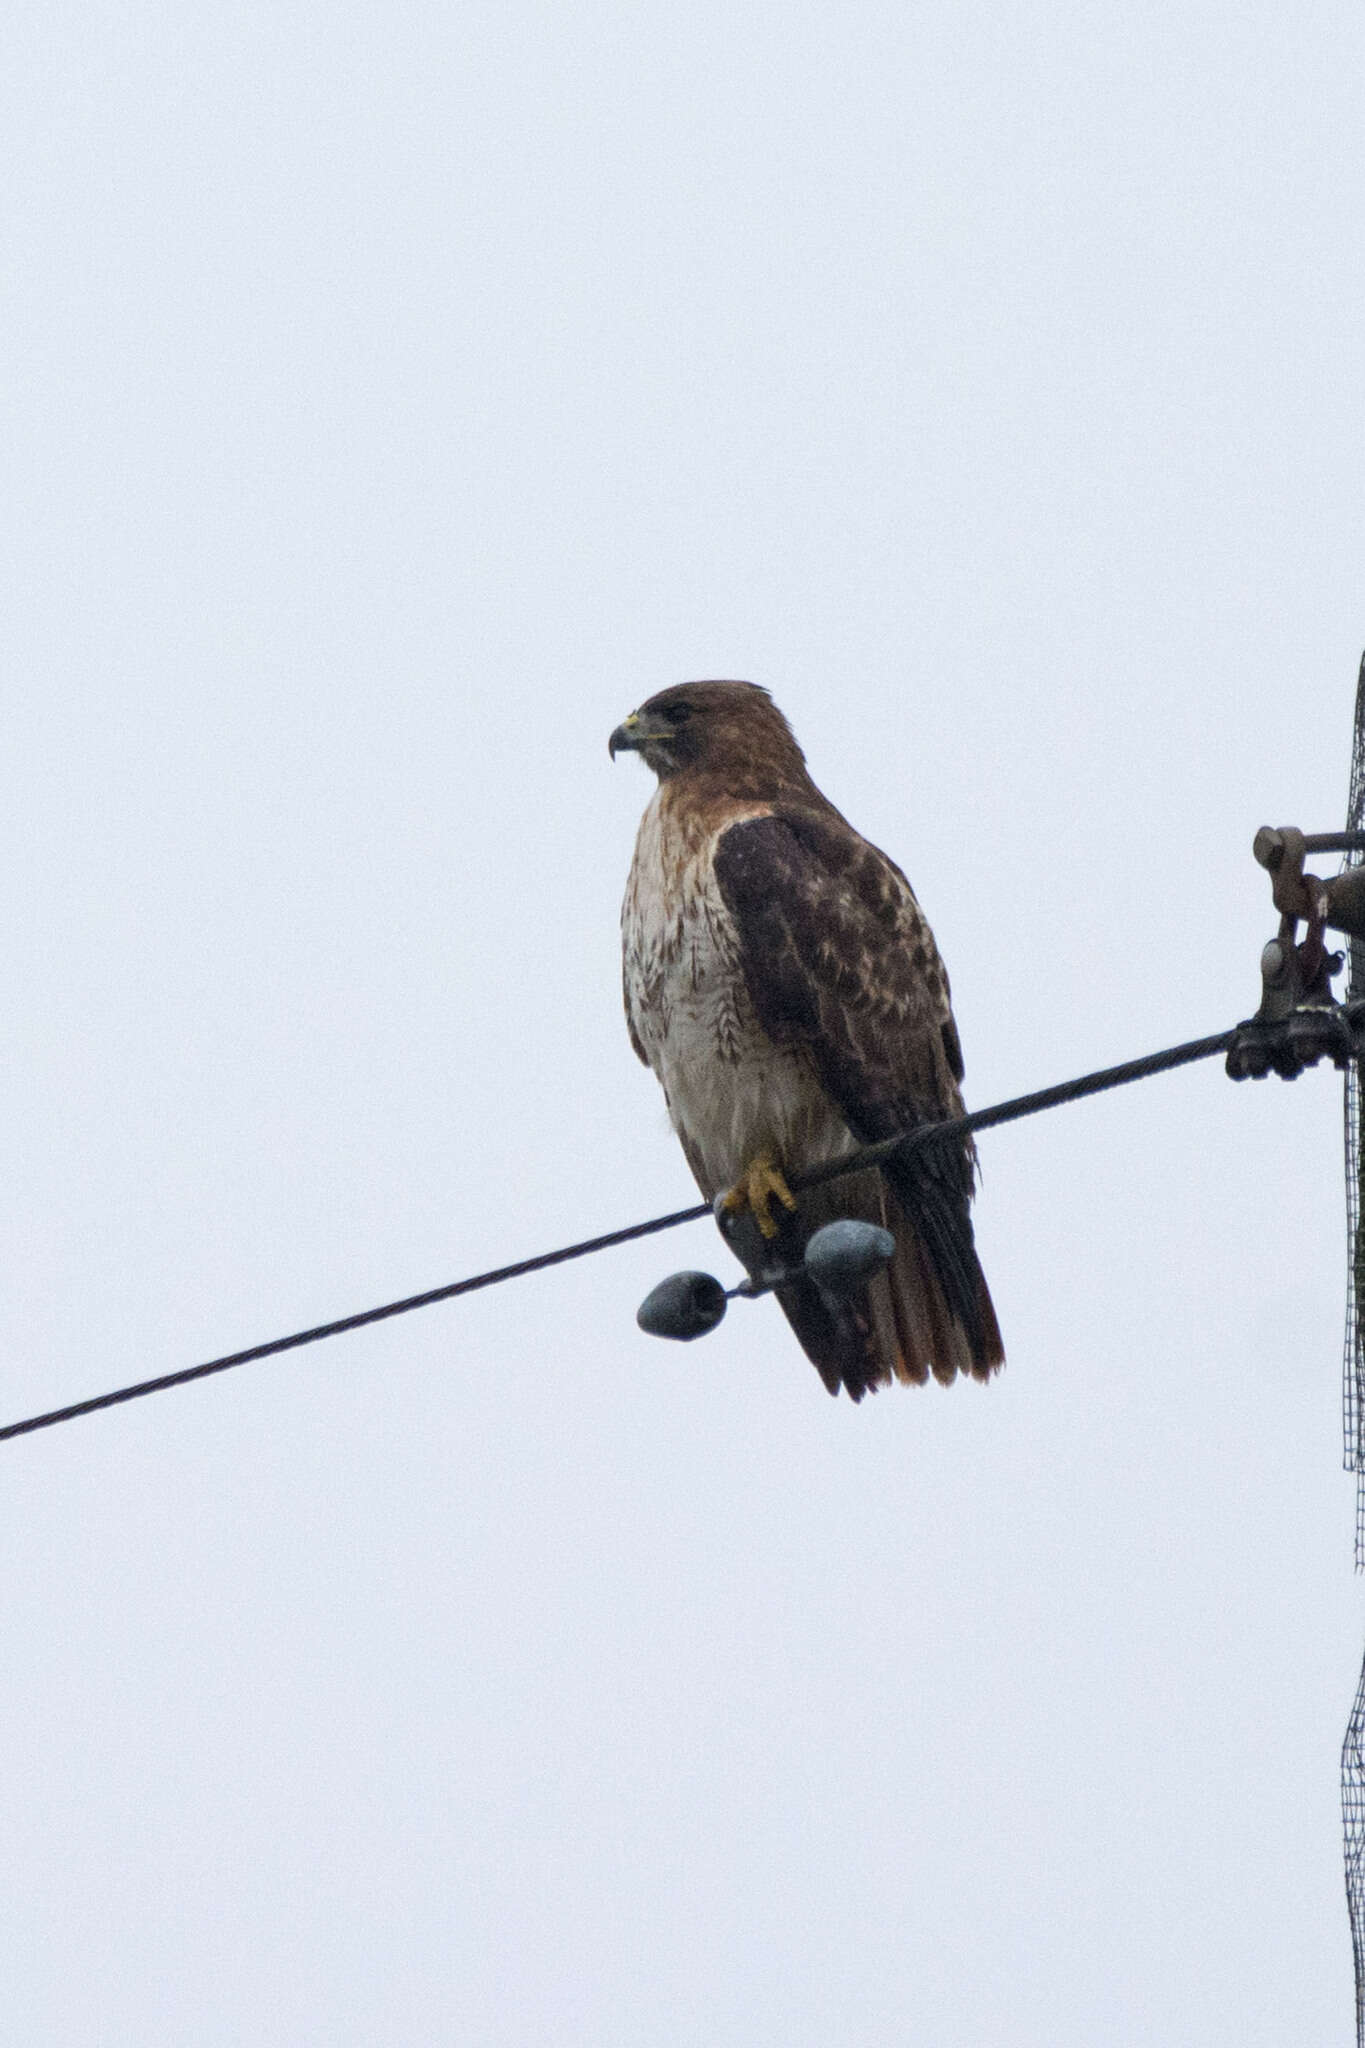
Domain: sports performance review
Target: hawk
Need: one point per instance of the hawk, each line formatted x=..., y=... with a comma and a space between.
x=784, y=986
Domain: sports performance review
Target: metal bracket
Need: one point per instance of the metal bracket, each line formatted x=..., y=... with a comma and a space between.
x=1286, y=1045
x=1298, y=1022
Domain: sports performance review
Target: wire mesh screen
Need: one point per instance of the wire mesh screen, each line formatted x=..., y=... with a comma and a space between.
x=1353, y=1406
x=1353, y=1364
x=1353, y=1820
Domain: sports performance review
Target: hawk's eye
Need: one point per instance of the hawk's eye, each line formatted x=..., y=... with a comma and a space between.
x=679, y=713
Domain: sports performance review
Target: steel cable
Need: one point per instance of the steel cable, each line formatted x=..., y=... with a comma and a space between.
x=869, y=1155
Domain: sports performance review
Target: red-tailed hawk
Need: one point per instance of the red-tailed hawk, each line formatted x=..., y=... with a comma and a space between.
x=783, y=984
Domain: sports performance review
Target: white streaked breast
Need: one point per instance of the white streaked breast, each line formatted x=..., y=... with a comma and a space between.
x=731, y=1092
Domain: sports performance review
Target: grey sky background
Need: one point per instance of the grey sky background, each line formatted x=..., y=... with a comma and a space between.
x=393, y=399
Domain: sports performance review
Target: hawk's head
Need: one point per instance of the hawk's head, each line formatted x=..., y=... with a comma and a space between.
x=724, y=728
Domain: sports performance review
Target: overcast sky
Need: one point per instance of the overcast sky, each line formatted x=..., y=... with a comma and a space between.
x=393, y=398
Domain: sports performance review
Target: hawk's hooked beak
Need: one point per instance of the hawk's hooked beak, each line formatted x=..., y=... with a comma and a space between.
x=634, y=734
x=627, y=737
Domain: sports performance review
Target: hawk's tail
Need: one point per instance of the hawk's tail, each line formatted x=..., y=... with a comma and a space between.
x=930, y=1311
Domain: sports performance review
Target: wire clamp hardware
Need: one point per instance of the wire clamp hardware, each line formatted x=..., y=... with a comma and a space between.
x=1298, y=1022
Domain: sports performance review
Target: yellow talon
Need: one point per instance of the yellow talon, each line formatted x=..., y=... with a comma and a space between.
x=754, y=1191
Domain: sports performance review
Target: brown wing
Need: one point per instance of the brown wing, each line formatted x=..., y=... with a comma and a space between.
x=838, y=958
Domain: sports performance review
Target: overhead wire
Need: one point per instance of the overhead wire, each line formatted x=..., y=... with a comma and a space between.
x=868, y=1155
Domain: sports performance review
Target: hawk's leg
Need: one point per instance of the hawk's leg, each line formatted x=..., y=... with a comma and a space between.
x=761, y=1179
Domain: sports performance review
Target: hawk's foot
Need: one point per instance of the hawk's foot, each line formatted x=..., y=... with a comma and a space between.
x=754, y=1190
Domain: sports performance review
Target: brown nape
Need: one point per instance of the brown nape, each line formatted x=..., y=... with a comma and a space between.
x=731, y=734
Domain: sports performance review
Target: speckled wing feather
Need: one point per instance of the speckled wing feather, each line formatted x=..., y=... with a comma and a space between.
x=839, y=959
